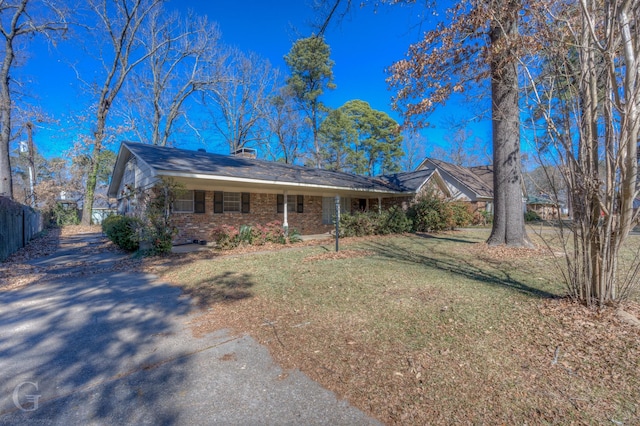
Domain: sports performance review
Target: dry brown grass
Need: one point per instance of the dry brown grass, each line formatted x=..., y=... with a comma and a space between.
x=430, y=330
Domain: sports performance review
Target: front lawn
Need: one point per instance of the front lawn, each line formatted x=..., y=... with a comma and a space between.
x=428, y=329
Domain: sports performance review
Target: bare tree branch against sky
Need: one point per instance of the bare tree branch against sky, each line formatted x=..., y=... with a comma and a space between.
x=366, y=42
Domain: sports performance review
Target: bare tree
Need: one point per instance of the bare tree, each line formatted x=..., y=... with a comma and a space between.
x=587, y=98
x=117, y=32
x=238, y=103
x=19, y=20
x=462, y=147
x=414, y=146
x=287, y=127
x=184, y=58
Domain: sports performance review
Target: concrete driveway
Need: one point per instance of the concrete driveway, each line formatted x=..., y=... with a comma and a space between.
x=98, y=346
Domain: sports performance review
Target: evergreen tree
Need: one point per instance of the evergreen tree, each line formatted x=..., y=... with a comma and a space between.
x=361, y=140
x=311, y=73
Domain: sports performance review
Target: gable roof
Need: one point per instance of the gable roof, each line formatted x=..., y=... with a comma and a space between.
x=165, y=161
x=485, y=173
x=415, y=180
x=479, y=180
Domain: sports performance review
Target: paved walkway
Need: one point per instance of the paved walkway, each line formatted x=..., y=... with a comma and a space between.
x=111, y=347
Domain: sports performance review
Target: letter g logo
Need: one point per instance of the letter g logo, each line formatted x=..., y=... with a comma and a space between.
x=31, y=401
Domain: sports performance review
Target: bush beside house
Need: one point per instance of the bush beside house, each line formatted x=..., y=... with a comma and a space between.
x=123, y=231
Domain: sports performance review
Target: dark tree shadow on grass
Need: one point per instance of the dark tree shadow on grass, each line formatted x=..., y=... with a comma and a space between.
x=448, y=238
x=226, y=287
x=446, y=261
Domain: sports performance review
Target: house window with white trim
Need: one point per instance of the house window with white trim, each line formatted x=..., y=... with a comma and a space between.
x=295, y=203
x=231, y=202
x=183, y=202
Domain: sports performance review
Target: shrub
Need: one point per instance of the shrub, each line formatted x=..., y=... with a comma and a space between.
x=431, y=214
x=393, y=221
x=123, y=231
x=531, y=216
x=482, y=217
x=274, y=233
x=159, y=229
x=246, y=235
x=357, y=224
x=65, y=216
x=160, y=238
x=229, y=237
x=462, y=214
x=294, y=236
x=226, y=237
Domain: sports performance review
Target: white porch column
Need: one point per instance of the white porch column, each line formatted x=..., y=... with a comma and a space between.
x=285, y=220
x=379, y=204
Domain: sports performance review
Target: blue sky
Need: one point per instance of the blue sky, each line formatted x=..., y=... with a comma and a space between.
x=362, y=45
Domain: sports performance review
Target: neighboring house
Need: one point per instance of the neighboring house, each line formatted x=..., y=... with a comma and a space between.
x=102, y=205
x=544, y=206
x=472, y=184
x=236, y=190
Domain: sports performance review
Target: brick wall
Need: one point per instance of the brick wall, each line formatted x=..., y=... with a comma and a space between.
x=263, y=209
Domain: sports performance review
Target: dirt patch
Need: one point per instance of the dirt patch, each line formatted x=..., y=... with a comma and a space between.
x=228, y=357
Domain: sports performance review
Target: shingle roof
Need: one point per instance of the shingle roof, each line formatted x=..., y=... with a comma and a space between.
x=408, y=181
x=477, y=179
x=165, y=159
x=485, y=173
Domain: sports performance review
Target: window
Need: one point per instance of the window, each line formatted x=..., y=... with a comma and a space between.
x=183, y=202
x=295, y=203
x=329, y=208
x=198, y=202
x=231, y=202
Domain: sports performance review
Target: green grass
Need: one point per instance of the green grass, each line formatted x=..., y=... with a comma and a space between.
x=429, y=329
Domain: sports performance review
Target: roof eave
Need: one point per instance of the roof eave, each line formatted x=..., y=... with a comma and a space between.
x=118, y=170
x=273, y=183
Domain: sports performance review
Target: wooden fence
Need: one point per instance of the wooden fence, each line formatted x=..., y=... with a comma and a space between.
x=18, y=225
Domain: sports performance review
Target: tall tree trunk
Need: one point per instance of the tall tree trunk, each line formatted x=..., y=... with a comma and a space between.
x=508, y=223
x=6, y=181
x=94, y=165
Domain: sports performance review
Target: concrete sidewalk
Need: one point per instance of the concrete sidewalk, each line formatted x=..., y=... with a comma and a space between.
x=115, y=348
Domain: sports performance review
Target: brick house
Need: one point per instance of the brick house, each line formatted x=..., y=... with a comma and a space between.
x=471, y=184
x=236, y=190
